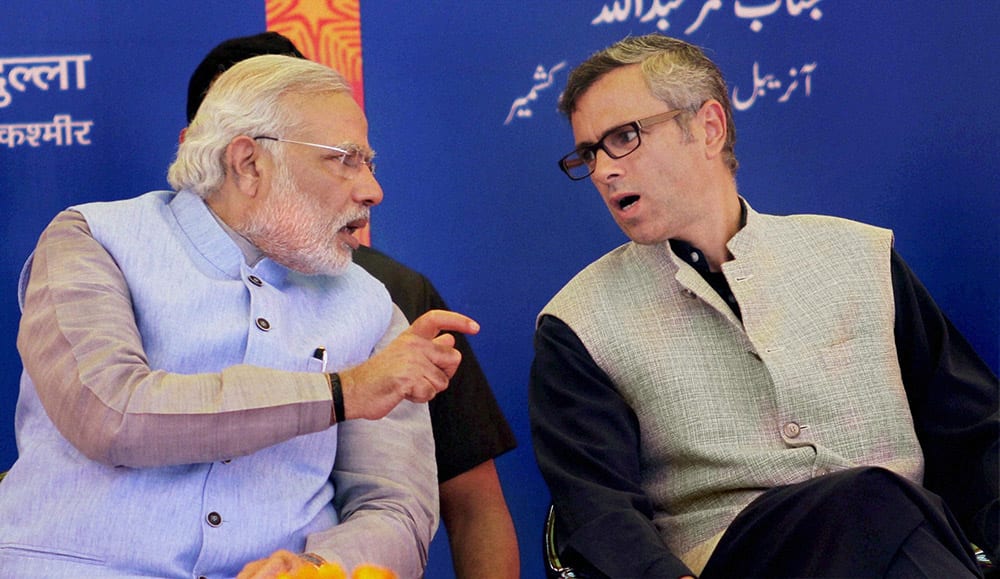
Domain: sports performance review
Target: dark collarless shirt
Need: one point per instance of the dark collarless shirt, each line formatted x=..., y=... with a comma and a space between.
x=469, y=427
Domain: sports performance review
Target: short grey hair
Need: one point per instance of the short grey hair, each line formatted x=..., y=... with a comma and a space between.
x=677, y=73
x=245, y=100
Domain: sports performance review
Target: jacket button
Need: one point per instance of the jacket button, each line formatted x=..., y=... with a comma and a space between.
x=263, y=324
x=792, y=430
x=214, y=519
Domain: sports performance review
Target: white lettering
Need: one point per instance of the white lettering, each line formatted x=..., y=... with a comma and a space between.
x=62, y=131
x=18, y=73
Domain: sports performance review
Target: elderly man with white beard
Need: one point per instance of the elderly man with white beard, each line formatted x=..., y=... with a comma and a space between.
x=198, y=362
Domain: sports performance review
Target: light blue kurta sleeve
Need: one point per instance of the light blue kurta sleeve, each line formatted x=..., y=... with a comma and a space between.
x=385, y=479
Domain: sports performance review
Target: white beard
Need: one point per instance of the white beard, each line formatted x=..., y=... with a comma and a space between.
x=290, y=232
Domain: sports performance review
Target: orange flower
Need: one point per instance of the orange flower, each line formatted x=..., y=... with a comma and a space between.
x=325, y=571
x=335, y=571
x=372, y=572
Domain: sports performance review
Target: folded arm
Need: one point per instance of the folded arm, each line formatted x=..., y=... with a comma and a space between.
x=953, y=398
x=587, y=446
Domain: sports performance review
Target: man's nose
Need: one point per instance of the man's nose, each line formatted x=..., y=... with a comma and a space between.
x=606, y=167
x=367, y=190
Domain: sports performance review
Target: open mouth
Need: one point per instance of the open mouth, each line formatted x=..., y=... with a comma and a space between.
x=627, y=201
x=355, y=225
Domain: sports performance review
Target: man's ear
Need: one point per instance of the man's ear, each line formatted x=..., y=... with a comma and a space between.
x=714, y=121
x=242, y=159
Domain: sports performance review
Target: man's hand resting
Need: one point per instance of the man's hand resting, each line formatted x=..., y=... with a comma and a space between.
x=279, y=562
x=415, y=366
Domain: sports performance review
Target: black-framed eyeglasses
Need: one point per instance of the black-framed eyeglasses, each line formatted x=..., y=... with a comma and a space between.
x=352, y=158
x=617, y=143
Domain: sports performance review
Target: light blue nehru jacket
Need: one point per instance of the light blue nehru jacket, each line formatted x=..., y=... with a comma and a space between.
x=199, y=308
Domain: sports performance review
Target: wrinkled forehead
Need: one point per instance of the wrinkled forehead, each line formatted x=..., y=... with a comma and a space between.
x=329, y=117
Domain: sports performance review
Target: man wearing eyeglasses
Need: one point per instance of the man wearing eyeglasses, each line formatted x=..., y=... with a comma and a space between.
x=469, y=427
x=733, y=394
x=212, y=388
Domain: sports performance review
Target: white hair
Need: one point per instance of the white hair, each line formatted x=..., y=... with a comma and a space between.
x=245, y=100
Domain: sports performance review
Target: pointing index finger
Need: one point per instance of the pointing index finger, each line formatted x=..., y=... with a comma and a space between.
x=434, y=322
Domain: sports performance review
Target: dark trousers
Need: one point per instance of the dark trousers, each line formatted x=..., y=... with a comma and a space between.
x=862, y=522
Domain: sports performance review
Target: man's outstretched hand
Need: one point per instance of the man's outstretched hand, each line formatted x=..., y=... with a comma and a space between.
x=415, y=366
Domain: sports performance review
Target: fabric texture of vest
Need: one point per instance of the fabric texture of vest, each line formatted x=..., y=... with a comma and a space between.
x=199, y=309
x=808, y=383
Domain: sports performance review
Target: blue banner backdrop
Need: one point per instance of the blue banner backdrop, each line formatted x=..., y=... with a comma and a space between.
x=864, y=110
x=868, y=111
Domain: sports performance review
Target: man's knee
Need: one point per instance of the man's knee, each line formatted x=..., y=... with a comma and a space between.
x=863, y=478
x=848, y=523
